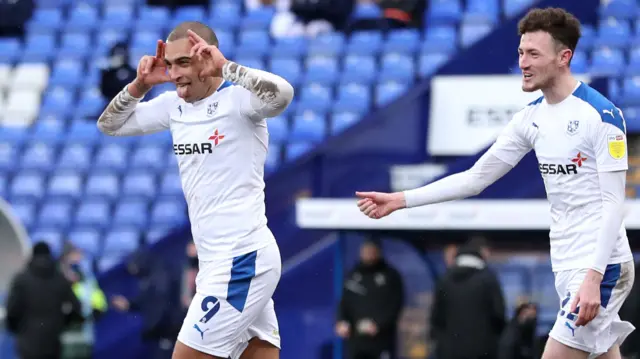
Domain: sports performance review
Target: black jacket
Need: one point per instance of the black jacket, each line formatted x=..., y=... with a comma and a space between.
x=468, y=313
x=41, y=304
x=519, y=341
x=375, y=293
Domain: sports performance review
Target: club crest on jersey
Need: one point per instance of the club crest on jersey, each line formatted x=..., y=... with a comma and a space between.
x=617, y=146
x=572, y=127
x=212, y=108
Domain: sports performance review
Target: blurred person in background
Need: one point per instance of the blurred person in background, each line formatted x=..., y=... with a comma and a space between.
x=14, y=14
x=40, y=305
x=372, y=300
x=519, y=339
x=78, y=341
x=468, y=312
x=157, y=302
x=190, y=273
x=117, y=73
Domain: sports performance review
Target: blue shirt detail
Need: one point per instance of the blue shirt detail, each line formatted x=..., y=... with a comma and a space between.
x=607, y=110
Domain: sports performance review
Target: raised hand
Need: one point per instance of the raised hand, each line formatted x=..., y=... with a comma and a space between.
x=152, y=70
x=210, y=58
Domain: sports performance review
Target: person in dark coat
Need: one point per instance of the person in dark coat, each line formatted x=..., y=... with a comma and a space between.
x=158, y=303
x=118, y=72
x=40, y=305
x=371, y=304
x=519, y=339
x=468, y=313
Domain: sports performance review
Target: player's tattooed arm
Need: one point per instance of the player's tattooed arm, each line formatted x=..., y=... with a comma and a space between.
x=115, y=116
x=273, y=92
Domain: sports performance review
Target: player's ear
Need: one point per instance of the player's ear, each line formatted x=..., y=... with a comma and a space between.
x=565, y=56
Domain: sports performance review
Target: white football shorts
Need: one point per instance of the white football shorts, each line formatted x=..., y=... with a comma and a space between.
x=606, y=329
x=234, y=304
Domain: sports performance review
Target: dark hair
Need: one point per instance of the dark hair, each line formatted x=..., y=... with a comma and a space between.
x=41, y=248
x=204, y=31
x=560, y=24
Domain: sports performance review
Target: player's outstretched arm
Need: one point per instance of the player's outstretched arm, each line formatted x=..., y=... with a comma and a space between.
x=471, y=182
x=125, y=115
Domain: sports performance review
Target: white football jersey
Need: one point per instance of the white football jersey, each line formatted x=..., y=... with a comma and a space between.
x=221, y=145
x=573, y=141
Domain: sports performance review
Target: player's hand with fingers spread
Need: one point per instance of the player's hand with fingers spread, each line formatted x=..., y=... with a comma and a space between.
x=152, y=70
x=587, y=298
x=378, y=204
x=210, y=57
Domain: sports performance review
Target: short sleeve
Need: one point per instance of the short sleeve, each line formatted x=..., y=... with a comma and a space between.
x=609, y=141
x=511, y=144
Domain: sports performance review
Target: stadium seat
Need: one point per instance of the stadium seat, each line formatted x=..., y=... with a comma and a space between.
x=8, y=155
x=308, y=127
x=253, y=43
x=443, y=12
x=471, y=33
x=38, y=156
x=321, y=70
x=289, y=47
x=273, y=158
x=327, y=44
x=187, y=13
x=226, y=15
x=86, y=240
x=82, y=18
x=30, y=77
x=28, y=185
x=482, y=12
x=148, y=157
x=155, y=234
x=66, y=184
x=289, y=68
x=429, y=64
x=587, y=39
x=51, y=236
x=39, y=47
x=297, y=149
x=102, y=185
x=152, y=18
x=631, y=91
x=440, y=39
x=5, y=75
x=397, y=68
x=278, y=129
x=514, y=7
x=171, y=185
x=93, y=213
x=91, y=103
x=116, y=17
x=131, y=212
x=633, y=68
x=4, y=184
x=112, y=157
x=386, y=93
x=358, y=69
x=168, y=212
x=48, y=130
x=343, y=120
x=258, y=19
x=619, y=9
x=139, y=184
x=45, y=21
x=366, y=11
x=354, y=98
x=25, y=211
x=607, y=62
x=365, y=43
x=55, y=214
x=614, y=34
x=59, y=100
x=121, y=242
x=82, y=132
x=9, y=50
x=579, y=63
x=315, y=97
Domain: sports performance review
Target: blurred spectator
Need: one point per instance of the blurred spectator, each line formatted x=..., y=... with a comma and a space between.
x=396, y=14
x=79, y=339
x=118, y=72
x=519, y=340
x=372, y=300
x=173, y=4
x=631, y=312
x=14, y=14
x=450, y=253
x=41, y=304
x=334, y=12
x=468, y=313
x=157, y=302
x=190, y=273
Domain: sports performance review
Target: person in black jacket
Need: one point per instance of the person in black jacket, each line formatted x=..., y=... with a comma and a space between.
x=372, y=300
x=41, y=304
x=519, y=339
x=468, y=313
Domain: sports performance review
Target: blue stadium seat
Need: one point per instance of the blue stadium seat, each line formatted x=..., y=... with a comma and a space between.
x=148, y=157
x=273, y=158
x=278, y=129
x=121, y=242
x=607, y=62
x=321, y=70
x=295, y=150
x=355, y=98
x=139, y=184
x=288, y=68
x=66, y=184
x=48, y=130
x=51, y=236
x=395, y=67
x=443, y=12
x=105, y=39
x=131, y=212
x=38, y=48
x=86, y=240
x=45, y=21
x=514, y=7
x=542, y=289
x=8, y=155
x=358, y=69
x=102, y=185
x=25, y=211
x=91, y=103
x=55, y=214
x=633, y=68
x=471, y=33
x=153, y=18
x=402, y=41
x=579, y=63
x=587, y=39
x=386, y=93
x=145, y=39
x=365, y=43
x=254, y=62
x=4, y=184
x=289, y=47
x=67, y=73
x=75, y=45
x=83, y=132
x=308, y=127
x=440, y=39
x=38, y=156
x=168, y=212
x=631, y=91
x=82, y=18
x=156, y=234
x=28, y=185
x=327, y=44
x=613, y=34
x=340, y=121
x=171, y=185
x=253, y=43
x=364, y=11
x=116, y=17
x=258, y=19
x=112, y=157
x=95, y=213
x=619, y=9
x=162, y=138
x=483, y=12
x=226, y=15
x=430, y=63
x=9, y=49
x=187, y=13
x=59, y=100
x=315, y=97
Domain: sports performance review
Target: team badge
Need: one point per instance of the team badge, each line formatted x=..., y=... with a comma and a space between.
x=617, y=146
x=573, y=126
x=211, y=109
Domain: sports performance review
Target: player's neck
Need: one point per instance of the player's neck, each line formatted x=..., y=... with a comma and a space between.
x=213, y=87
x=561, y=88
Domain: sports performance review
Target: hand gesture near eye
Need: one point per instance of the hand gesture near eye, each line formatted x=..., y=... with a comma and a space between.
x=152, y=70
x=210, y=56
